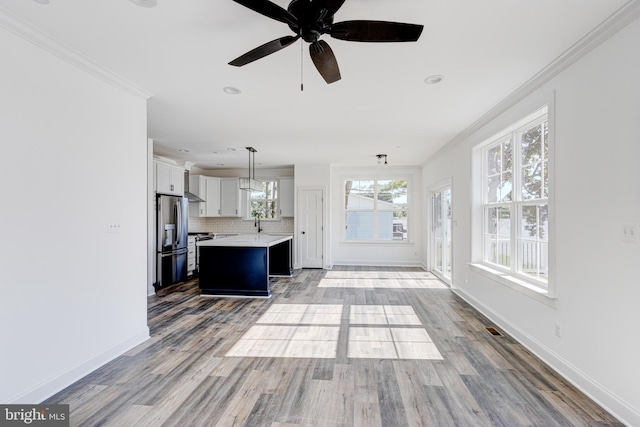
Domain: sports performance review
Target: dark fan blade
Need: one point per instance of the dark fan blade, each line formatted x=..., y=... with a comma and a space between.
x=271, y=10
x=264, y=50
x=325, y=61
x=375, y=31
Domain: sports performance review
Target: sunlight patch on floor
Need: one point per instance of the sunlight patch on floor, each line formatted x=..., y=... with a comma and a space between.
x=381, y=280
x=313, y=330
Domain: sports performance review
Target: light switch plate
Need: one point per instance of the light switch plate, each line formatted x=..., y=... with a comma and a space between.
x=630, y=233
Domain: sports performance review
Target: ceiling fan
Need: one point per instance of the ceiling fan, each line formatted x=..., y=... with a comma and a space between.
x=310, y=19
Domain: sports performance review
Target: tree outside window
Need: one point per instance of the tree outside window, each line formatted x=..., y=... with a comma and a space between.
x=264, y=203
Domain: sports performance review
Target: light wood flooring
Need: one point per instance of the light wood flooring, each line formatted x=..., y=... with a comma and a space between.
x=379, y=354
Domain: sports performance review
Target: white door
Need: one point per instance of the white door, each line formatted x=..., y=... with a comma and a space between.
x=441, y=232
x=310, y=209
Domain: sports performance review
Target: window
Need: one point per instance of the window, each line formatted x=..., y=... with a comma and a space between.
x=264, y=203
x=515, y=199
x=376, y=209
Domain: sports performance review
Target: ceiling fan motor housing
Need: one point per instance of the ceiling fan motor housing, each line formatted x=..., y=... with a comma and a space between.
x=313, y=21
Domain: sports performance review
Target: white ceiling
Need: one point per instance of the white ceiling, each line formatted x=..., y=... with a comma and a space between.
x=179, y=52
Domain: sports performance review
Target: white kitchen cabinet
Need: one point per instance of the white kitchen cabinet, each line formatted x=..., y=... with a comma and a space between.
x=208, y=189
x=212, y=197
x=286, y=197
x=197, y=186
x=169, y=179
x=191, y=255
x=230, y=197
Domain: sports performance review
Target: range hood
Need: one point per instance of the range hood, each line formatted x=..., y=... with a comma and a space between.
x=189, y=195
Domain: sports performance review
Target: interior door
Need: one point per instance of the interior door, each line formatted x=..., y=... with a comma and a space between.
x=441, y=219
x=310, y=236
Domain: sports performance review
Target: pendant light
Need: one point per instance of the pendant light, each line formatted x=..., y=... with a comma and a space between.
x=250, y=183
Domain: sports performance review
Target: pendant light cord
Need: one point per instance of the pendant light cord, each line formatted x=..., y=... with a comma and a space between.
x=301, y=66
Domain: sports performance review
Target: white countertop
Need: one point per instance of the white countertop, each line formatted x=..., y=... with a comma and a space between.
x=247, y=241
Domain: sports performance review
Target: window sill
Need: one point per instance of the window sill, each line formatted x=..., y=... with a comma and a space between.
x=377, y=242
x=517, y=284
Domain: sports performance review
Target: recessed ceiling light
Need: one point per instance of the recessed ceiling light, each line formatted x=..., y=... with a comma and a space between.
x=183, y=150
x=432, y=80
x=231, y=90
x=42, y=1
x=145, y=3
x=219, y=164
x=231, y=149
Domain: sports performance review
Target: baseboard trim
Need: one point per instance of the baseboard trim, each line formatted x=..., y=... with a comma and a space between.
x=598, y=393
x=59, y=382
x=378, y=264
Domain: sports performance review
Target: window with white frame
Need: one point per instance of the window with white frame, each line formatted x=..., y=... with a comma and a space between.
x=376, y=209
x=515, y=200
x=264, y=203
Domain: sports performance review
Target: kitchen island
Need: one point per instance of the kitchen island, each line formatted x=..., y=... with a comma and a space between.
x=241, y=265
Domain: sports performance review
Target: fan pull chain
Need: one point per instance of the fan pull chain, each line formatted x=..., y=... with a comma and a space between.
x=301, y=66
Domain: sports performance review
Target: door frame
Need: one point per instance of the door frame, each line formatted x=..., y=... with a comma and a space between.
x=326, y=264
x=436, y=188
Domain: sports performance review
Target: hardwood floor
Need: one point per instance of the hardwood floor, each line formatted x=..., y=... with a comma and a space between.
x=189, y=374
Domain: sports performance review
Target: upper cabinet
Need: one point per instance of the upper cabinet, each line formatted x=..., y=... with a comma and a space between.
x=223, y=198
x=230, y=197
x=169, y=179
x=208, y=189
x=212, y=196
x=197, y=186
x=286, y=197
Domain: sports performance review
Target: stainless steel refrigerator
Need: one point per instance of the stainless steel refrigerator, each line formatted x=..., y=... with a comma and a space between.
x=171, y=240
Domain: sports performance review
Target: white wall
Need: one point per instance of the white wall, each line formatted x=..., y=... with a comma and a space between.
x=74, y=159
x=596, y=189
x=406, y=253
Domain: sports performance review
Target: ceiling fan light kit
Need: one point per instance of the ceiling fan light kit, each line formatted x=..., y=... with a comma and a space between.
x=310, y=19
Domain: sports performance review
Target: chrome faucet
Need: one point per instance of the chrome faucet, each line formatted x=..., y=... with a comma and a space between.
x=256, y=223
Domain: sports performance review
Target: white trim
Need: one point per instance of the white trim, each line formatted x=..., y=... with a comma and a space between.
x=326, y=254
x=508, y=275
x=619, y=408
x=376, y=177
x=366, y=263
x=519, y=285
x=66, y=53
x=63, y=379
x=615, y=23
x=438, y=187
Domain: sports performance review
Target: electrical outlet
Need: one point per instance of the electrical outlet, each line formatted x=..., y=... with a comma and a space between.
x=630, y=233
x=557, y=330
x=113, y=227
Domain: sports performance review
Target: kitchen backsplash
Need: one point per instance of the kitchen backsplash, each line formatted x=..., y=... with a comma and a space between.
x=238, y=225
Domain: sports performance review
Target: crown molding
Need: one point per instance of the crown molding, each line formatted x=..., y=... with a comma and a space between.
x=66, y=53
x=615, y=23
